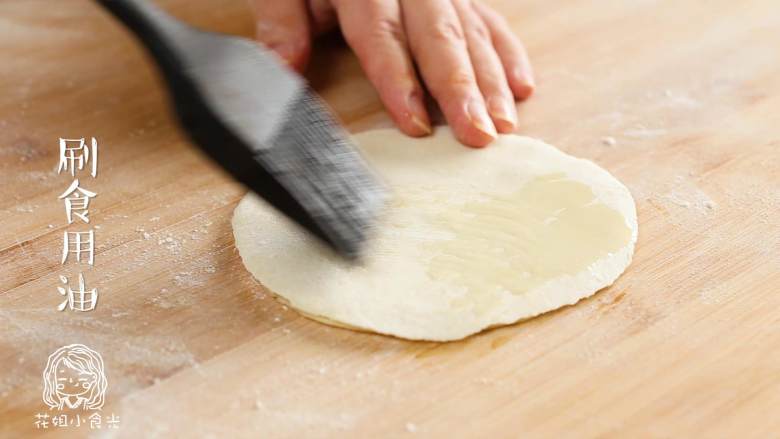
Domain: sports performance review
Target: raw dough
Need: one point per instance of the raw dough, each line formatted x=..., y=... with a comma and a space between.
x=471, y=239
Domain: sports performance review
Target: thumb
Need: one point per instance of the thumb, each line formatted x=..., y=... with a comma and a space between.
x=283, y=26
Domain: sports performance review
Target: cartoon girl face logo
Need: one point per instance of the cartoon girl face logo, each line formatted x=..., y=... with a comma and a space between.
x=74, y=378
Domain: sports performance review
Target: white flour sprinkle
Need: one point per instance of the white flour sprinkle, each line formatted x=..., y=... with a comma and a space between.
x=608, y=141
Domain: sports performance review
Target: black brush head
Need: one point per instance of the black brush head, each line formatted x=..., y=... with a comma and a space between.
x=262, y=124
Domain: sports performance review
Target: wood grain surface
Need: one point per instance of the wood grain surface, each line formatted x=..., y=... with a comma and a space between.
x=685, y=344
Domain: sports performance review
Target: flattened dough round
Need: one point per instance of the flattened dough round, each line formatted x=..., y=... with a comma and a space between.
x=472, y=239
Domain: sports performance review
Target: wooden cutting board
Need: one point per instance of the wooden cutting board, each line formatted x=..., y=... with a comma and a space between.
x=686, y=343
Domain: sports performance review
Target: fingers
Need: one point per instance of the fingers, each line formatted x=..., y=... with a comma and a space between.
x=466, y=53
x=283, y=26
x=488, y=68
x=374, y=31
x=510, y=50
x=437, y=40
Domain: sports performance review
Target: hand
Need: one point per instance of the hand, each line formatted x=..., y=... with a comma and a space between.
x=468, y=57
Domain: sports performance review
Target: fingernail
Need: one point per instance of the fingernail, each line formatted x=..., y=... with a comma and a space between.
x=419, y=123
x=417, y=114
x=503, y=110
x=479, y=117
x=530, y=80
x=524, y=75
x=526, y=78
